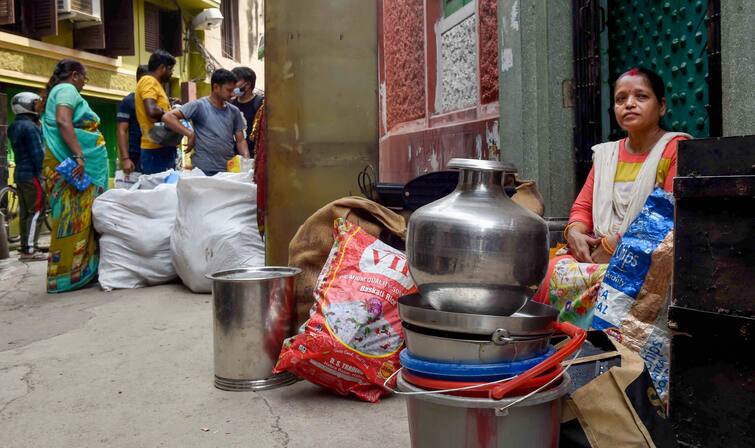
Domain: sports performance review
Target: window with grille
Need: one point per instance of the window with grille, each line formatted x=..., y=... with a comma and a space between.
x=229, y=29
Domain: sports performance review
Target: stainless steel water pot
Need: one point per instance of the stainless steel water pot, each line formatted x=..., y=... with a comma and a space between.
x=475, y=250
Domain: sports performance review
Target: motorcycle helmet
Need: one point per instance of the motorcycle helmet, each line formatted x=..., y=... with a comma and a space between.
x=23, y=103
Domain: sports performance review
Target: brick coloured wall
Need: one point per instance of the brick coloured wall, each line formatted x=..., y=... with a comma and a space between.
x=488, y=51
x=404, y=59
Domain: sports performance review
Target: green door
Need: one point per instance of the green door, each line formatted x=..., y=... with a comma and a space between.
x=670, y=37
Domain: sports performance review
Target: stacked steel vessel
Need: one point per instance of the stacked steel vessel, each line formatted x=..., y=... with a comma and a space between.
x=479, y=368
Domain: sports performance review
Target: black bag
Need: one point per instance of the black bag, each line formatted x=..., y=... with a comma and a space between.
x=164, y=136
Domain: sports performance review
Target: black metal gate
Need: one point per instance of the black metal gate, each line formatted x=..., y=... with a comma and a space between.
x=589, y=22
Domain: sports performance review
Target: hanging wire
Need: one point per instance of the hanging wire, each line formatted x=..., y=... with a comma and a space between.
x=366, y=183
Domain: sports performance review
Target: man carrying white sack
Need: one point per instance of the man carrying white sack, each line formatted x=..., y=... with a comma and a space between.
x=218, y=126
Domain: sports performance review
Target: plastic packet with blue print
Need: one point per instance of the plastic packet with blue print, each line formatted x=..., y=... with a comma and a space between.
x=632, y=303
x=66, y=170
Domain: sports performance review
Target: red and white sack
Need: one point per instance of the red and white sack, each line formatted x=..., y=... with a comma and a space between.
x=351, y=342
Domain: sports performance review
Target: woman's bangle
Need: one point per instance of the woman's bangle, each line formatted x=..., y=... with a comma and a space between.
x=567, y=228
x=606, y=246
x=75, y=157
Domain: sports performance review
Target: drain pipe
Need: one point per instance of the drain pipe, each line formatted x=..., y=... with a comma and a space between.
x=4, y=253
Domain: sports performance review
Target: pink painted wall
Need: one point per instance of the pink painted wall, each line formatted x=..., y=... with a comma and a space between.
x=488, y=13
x=404, y=60
x=414, y=138
x=407, y=155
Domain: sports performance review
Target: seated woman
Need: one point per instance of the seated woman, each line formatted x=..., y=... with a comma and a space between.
x=623, y=175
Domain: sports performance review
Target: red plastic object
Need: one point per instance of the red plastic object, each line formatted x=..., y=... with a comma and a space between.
x=479, y=392
x=577, y=336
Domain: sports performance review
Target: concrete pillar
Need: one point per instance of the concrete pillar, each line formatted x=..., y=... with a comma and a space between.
x=537, y=117
x=322, y=111
x=737, y=62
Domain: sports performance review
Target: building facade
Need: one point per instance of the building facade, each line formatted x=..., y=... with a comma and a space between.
x=112, y=41
x=241, y=38
x=438, y=84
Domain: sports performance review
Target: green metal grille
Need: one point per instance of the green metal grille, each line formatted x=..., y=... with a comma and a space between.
x=671, y=38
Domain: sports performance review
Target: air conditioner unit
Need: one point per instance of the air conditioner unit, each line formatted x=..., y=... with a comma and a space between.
x=89, y=12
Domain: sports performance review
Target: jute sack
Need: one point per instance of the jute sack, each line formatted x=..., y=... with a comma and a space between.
x=311, y=245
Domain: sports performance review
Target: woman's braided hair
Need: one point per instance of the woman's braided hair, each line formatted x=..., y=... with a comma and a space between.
x=63, y=70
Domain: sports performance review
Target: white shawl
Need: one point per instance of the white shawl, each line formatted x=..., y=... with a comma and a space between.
x=612, y=213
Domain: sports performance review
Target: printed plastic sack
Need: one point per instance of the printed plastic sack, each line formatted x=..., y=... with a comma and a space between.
x=351, y=342
x=135, y=228
x=150, y=181
x=216, y=228
x=632, y=303
x=123, y=180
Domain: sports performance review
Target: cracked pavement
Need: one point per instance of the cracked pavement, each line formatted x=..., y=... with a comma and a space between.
x=133, y=368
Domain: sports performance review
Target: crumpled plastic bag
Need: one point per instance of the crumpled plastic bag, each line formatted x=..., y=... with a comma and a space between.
x=632, y=303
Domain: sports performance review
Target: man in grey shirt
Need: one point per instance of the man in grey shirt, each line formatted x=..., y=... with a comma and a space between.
x=218, y=125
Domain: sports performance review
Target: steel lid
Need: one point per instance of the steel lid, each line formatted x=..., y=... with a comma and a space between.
x=533, y=319
x=481, y=165
x=254, y=274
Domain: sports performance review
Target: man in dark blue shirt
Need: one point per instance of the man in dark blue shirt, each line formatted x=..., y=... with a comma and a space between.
x=247, y=100
x=25, y=137
x=129, y=132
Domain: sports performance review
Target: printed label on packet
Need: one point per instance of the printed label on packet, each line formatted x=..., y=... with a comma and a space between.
x=610, y=308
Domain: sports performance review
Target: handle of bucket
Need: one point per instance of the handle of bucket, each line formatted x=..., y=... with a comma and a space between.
x=577, y=336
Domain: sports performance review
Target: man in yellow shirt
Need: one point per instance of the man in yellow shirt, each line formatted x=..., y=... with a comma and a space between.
x=151, y=103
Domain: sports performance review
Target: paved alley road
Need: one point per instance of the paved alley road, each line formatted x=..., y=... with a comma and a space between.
x=133, y=368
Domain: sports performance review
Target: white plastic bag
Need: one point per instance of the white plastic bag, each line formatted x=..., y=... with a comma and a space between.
x=123, y=180
x=150, y=181
x=135, y=228
x=216, y=228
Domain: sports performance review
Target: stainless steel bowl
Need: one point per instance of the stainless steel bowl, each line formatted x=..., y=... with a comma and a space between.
x=533, y=319
x=499, y=347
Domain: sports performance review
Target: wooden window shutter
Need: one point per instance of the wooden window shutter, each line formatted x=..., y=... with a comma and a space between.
x=43, y=18
x=151, y=27
x=7, y=12
x=118, y=17
x=171, y=34
x=89, y=38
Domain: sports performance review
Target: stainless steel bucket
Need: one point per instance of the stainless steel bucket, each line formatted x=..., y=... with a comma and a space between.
x=447, y=421
x=254, y=310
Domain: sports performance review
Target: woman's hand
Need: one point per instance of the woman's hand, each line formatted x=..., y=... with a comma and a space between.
x=78, y=172
x=580, y=244
x=600, y=254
